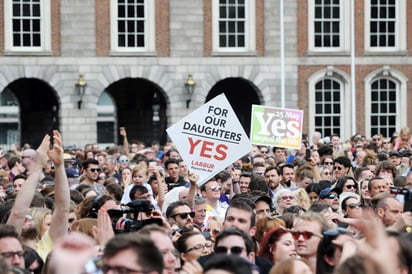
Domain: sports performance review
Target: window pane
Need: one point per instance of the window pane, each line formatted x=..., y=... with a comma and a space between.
x=131, y=24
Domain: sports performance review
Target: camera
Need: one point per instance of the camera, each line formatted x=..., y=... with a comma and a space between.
x=403, y=195
x=132, y=210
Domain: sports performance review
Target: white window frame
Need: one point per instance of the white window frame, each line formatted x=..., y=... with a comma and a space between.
x=400, y=29
x=401, y=86
x=150, y=30
x=344, y=29
x=45, y=27
x=250, y=30
x=346, y=105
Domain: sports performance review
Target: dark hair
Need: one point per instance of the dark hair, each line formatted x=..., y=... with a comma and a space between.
x=343, y=205
x=171, y=161
x=343, y=160
x=115, y=190
x=230, y=263
x=148, y=255
x=246, y=204
x=342, y=181
x=89, y=161
x=237, y=232
x=8, y=231
x=269, y=168
x=137, y=189
x=181, y=243
x=313, y=187
x=170, y=211
x=223, y=176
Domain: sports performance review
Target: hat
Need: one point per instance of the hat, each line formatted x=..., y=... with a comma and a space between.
x=264, y=198
x=325, y=192
x=406, y=152
x=394, y=153
x=72, y=173
x=67, y=157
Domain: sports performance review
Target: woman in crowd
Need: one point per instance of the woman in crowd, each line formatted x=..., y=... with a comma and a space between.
x=192, y=245
x=347, y=184
x=277, y=245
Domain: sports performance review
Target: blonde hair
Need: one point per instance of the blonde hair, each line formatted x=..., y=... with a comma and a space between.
x=39, y=214
x=302, y=198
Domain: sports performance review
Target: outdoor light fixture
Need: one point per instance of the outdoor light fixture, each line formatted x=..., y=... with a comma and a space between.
x=190, y=87
x=81, y=89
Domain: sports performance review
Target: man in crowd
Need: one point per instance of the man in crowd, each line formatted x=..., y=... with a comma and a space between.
x=91, y=171
x=173, y=179
x=180, y=213
x=142, y=255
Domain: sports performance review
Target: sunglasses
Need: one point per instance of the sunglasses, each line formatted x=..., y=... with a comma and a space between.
x=198, y=247
x=338, y=167
x=284, y=198
x=327, y=173
x=215, y=188
x=332, y=196
x=376, y=139
x=123, y=160
x=184, y=215
x=353, y=205
x=328, y=163
x=94, y=169
x=233, y=250
x=264, y=152
x=305, y=234
x=350, y=186
x=385, y=143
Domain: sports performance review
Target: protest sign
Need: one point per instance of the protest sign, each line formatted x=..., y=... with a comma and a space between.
x=272, y=126
x=210, y=138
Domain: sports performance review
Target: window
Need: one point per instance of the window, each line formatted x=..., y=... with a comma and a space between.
x=328, y=107
x=383, y=107
x=234, y=26
x=329, y=22
x=329, y=103
x=385, y=21
x=132, y=26
x=385, y=97
x=27, y=25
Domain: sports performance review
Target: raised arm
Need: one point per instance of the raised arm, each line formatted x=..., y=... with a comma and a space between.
x=26, y=193
x=59, y=225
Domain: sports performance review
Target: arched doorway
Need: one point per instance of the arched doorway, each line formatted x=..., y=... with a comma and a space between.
x=140, y=107
x=241, y=94
x=38, y=110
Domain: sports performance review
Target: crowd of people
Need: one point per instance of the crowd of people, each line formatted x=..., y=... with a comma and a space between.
x=331, y=206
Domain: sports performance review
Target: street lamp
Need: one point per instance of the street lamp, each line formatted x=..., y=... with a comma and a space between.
x=81, y=89
x=190, y=88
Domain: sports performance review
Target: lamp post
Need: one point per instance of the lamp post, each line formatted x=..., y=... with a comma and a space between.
x=81, y=89
x=190, y=87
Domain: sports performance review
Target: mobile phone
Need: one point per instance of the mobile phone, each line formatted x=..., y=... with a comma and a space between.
x=404, y=196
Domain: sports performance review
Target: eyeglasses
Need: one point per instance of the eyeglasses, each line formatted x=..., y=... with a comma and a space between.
x=284, y=198
x=215, y=188
x=94, y=169
x=350, y=186
x=332, y=196
x=233, y=250
x=198, y=247
x=328, y=163
x=11, y=254
x=184, y=215
x=121, y=269
x=306, y=235
x=353, y=205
